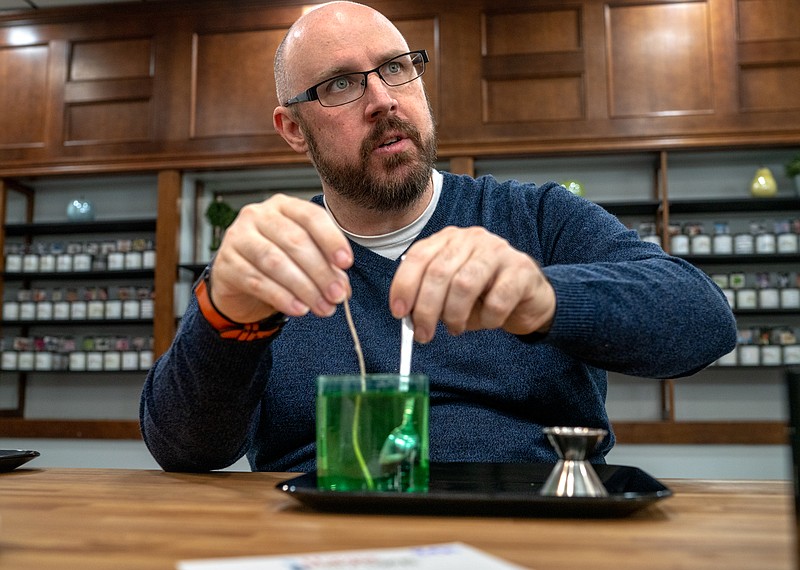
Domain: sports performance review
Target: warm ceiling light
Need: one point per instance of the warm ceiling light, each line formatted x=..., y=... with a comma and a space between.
x=21, y=37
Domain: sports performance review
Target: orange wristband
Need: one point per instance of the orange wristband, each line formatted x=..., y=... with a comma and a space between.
x=228, y=328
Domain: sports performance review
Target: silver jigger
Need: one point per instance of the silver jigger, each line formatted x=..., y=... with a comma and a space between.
x=573, y=475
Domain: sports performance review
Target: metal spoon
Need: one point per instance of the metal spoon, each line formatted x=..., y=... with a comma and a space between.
x=406, y=345
x=399, y=451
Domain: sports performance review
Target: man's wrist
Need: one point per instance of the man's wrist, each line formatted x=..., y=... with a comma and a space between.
x=227, y=327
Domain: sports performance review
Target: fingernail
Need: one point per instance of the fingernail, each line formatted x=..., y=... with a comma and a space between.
x=336, y=292
x=299, y=309
x=342, y=258
x=325, y=309
x=398, y=309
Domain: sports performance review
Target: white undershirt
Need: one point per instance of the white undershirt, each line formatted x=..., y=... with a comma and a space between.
x=393, y=244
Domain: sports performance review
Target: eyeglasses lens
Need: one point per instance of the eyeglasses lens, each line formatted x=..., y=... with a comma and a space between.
x=345, y=89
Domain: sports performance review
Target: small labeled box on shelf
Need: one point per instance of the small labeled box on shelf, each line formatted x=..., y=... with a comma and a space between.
x=47, y=263
x=64, y=263
x=26, y=360
x=13, y=260
x=27, y=311
x=10, y=311
x=9, y=360
x=94, y=361
x=77, y=361
x=791, y=354
x=113, y=309
x=722, y=242
x=764, y=346
x=112, y=361
x=61, y=310
x=130, y=360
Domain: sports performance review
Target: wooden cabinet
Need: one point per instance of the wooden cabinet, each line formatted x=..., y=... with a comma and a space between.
x=603, y=75
x=189, y=84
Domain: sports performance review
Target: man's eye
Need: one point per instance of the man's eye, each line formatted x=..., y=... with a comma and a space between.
x=394, y=67
x=339, y=84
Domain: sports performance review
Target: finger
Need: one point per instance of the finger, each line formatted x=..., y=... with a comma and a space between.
x=469, y=287
x=436, y=291
x=275, y=278
x=495, y=305
x=421, y=282
x=251, y=295
x=521, y=300
x=404, y=290
x=405, y=284
x=323, y=231
x=290, y=255
x=268, y=258
x=314, y=233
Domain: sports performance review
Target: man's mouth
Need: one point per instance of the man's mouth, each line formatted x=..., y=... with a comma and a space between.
x=390, y=141
x=390, y=136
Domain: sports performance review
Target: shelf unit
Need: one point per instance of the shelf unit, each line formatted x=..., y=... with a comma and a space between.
x=662, y=187
x=162, y=228
x=644, y=193
x=734, y=431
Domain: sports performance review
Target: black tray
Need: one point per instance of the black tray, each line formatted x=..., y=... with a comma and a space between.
x=10, y=459
x=493, y=489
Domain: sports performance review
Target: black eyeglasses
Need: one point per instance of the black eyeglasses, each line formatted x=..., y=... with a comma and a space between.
x=344, y=89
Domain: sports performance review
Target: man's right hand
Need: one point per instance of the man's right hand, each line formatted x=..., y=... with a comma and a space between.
x=284, y=254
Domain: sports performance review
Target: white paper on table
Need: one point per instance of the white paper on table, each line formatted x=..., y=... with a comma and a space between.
x=449, y=556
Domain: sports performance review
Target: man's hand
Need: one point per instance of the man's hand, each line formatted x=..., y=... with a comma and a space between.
x=284, y=254
x=471, y=279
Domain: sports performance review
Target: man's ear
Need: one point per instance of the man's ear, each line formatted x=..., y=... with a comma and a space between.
x=289, y=129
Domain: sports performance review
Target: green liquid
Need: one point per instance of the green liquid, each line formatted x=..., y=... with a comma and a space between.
x=352, y=428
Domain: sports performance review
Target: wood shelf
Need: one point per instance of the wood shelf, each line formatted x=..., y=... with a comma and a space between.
x=69, y=429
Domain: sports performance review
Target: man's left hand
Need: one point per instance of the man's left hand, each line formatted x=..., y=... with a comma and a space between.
x=471, y=279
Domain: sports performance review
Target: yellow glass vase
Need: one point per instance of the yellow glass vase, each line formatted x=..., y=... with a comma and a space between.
x=763, y=184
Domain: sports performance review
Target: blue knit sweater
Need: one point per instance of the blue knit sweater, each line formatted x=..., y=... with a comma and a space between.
x=622, y=305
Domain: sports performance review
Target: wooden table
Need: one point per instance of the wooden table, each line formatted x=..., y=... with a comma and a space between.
x=86, y=519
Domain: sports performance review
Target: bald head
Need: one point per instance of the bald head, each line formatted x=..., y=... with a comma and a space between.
x=325, y=38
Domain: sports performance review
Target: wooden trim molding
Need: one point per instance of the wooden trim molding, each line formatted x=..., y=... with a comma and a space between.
x=628, y=433
x=167, y=240
x=702, y=433
x=70, y=429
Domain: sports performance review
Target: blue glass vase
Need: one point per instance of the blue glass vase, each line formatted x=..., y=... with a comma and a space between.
x=80, y=210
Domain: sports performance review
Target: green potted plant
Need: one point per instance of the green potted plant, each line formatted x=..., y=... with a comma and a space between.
x=220, y=215
x=793, y=171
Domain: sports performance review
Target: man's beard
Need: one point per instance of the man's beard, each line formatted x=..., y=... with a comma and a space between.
x=384, y=190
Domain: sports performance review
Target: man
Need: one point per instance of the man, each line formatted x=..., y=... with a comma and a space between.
x=521, y=296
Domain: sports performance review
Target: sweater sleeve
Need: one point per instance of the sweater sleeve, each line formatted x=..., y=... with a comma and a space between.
x=199, y=397
x=623, y=304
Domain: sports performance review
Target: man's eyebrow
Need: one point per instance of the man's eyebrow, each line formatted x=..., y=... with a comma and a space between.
x=340, y=70
x=336, y=72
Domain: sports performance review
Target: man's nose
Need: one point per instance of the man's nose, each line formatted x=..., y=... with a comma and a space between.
x=380, y=98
